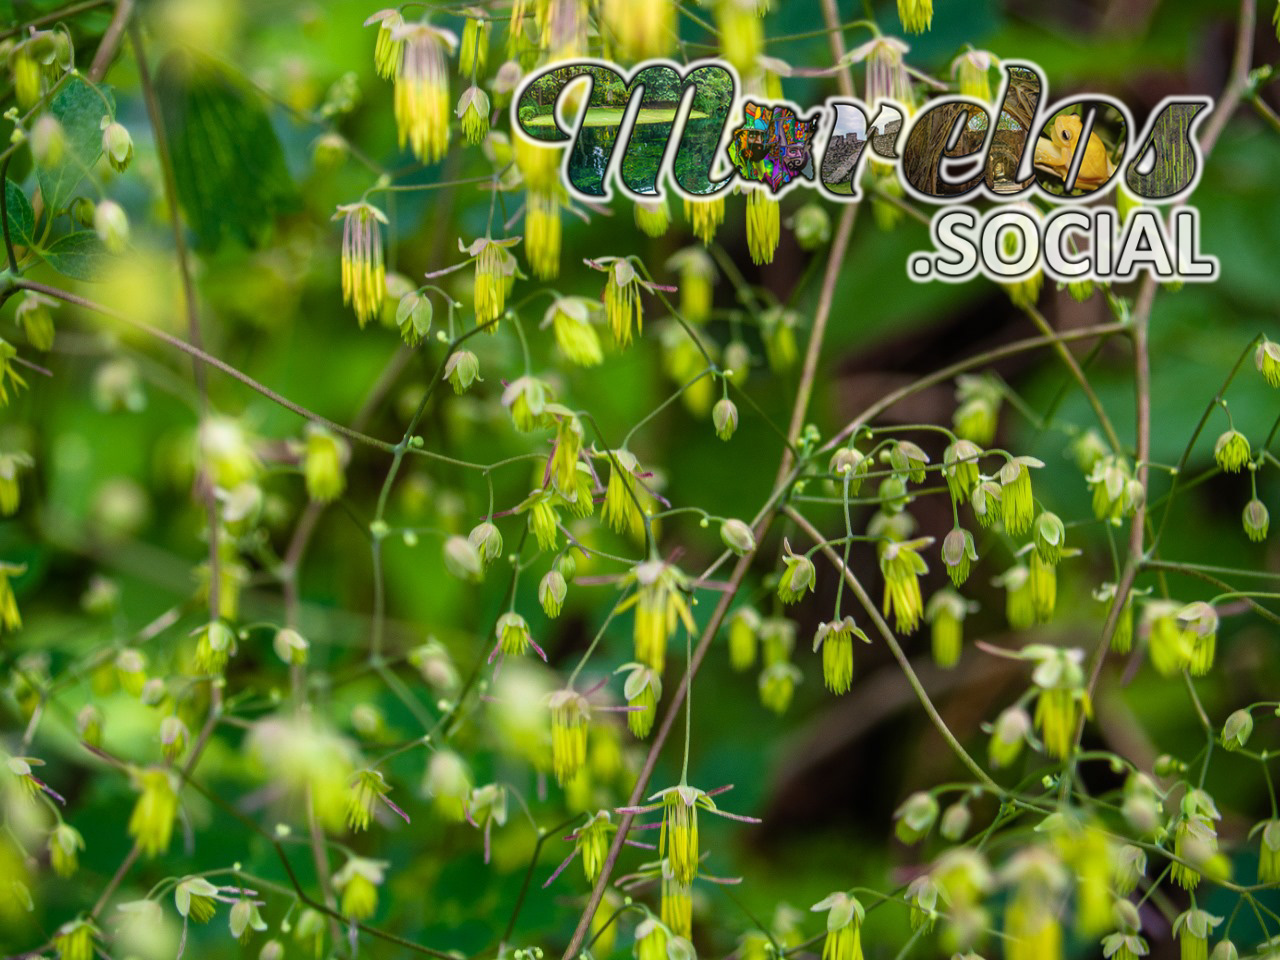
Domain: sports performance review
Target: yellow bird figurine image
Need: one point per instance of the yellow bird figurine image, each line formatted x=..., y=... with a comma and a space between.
x=1055, y=155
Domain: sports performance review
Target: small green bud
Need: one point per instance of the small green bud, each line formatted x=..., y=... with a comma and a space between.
x=1237, y=730
x=1256, y=520
x=116, y=144
x=462, y=559
x=725, y=417
x=915, y=817
x=462, y=370
x=737, y=536
x=551, y=593
x=112, y=225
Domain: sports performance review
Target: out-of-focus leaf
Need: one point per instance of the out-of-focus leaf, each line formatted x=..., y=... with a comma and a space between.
x=227, y=161
x=80, y=110
x=80, y=255
x=22, y=219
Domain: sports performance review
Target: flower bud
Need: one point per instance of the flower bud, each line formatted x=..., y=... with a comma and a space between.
x=551, y=593
x=413, y=316
x=1050, y=532
x=724, y=415
x=1008, y=736
x=116, y=144
x=89, y=724
x=112, y=225
x=1256, y=520
x=737, y=536
x=322, y=464
x=48, y=141
x=461, y=370
x=1237, y=730
x=290, y=646
x=958, y=552
x=271, y=950
x=812, y=226
x=173, y=737
x=462, y=559
x=1267, y=359
x=955, y=822
x=486, y=538
x=329, y=151
x=915, y=817
x=1232, y=451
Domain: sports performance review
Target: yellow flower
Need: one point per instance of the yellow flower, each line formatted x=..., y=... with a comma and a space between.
x=661, y=604
x=960, y=469
x=798, y=575
x=741, y=33
x=778, y=327
x=835, y=637
x=11, y=464
x=495, y=274
x=10, y=618
x=448, y=783
x=74, y=940
x=358, y=883
x=323, y=464
x=1267, y=359
x=526, y=397
x=151, y=823
x=365, y=789
x=1061, y=696
x=35, y=315
x=514, y=638
x=676, y=904
x=1043, y=583
x=902, y=566
x=642, y=690
x=705, y=216
x=973, y=68
x=1192, y=929
x=364, y=273
x=1168, y=646
x=570, y=319
x=886, y=77
x=195, y=898
x=1015, y=494
x=651, y=939
x=844, y=925
x=539, y=165
x=422, y=89
x=563, y=468
x=570, y=718
x=543, y=519
x=65, y=844
x=945, y=613
x=542, y=224
x=697, y=274
x=653, y=218
x=744, y=626
x=622, y=305
x=777, y=685
x=9, y=376
x=639, y=29
x=388, y=50
x=473, y=111
x=916, y=15
x=977, y=415
x=1232, y=451
x=764, y=224
x=215, y=645
x=1031, y=926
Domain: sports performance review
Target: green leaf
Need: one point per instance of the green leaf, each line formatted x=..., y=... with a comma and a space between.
x=228, y=165
x=80, y=255
x=22, y=219
x=80, y=109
